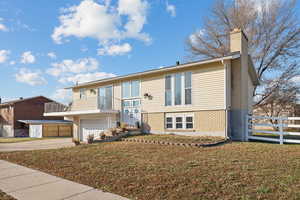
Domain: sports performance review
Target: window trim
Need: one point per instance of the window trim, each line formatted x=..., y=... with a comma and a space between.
x=130, y=89
x=183, y=88
x=183, y=116
x=112, y=96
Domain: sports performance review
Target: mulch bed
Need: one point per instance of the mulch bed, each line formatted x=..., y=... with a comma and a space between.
x=146, y=141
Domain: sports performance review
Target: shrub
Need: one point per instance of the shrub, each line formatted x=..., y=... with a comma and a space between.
x=102, y=135
x=90, y=139
x=76, y=141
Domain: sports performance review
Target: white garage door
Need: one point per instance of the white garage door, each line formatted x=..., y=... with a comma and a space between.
x=94, y=127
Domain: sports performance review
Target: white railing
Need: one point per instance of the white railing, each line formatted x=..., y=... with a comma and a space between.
x=281, y=125
x=55, y=107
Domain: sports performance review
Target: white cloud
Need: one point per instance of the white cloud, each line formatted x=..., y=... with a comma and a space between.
x=29, y=77
x=62, y=95
x=171, y=9
x=193, y=37
x=4, y=55
x=81, y=78
x=84, y=49
x=12, y=62
x=2, y=26
x=107, y=23
x=51, y=55
x=27, y=57
x=136, y=11
x=115, y=50
x=71, y=66
x=88, y=19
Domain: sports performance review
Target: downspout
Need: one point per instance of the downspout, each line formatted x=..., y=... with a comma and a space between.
x=225, y=97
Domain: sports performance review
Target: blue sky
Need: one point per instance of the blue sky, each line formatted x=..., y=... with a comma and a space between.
x=151, y=34
x=49, y=45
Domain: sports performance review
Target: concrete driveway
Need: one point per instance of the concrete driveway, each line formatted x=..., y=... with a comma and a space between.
x=37, y=144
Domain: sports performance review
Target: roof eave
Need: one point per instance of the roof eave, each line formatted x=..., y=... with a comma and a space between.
x=166, y=69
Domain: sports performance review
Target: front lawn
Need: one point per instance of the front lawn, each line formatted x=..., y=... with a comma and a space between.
x=151, y=171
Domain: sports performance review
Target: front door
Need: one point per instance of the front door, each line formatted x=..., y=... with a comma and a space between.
x=131, y=112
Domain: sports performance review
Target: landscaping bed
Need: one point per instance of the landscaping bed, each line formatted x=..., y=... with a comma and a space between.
x=4, y=196
x=168, y=139
x=140, y=171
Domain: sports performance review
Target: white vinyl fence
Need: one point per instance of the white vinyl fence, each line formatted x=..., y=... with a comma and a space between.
x=255, y=122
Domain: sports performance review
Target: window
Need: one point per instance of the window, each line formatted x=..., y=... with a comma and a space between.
x=179, y=121
x=188, y=87
x=178, y=89
x=189, y=122
x=135, y=88
x=168, y=91
x=131, y=89
x=169, y=122
x=105, y=98
x=82, y=93
x=126, y=90
x=136, y=103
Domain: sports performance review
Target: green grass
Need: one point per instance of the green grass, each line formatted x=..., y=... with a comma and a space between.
x=151, y=171
x=178, y=138
x=23, y=139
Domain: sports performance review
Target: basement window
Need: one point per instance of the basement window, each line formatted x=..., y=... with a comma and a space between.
x=181, y=121
x=169, y=122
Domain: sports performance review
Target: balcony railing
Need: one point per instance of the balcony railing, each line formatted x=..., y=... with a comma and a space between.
x=55, y=107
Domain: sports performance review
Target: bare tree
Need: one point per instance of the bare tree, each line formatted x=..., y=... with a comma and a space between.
x=273, y=30
x=280, y=96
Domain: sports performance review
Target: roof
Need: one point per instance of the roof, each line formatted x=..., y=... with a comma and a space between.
x=45, y=121
x=233, y=55
x=23, y=99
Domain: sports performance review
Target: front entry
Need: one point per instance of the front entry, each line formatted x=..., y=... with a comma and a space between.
x=131, y=111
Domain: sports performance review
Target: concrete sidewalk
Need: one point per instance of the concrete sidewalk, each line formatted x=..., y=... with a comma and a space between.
x=23, y=183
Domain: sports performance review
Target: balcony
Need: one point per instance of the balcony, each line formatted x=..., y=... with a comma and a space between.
x=60, y=110
x=55, y=107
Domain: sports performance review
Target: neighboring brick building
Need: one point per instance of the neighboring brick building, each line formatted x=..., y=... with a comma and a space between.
x=22, y=109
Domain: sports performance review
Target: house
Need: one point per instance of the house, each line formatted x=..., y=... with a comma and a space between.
x=208, y=97
x=13, y=112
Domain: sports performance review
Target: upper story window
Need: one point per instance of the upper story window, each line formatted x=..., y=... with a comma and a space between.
x=82, y=93
x=178, y=89
x=105, y=98
x=131, y=89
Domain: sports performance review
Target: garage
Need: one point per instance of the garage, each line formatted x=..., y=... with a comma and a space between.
x=49, y=128
x=95, y=127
